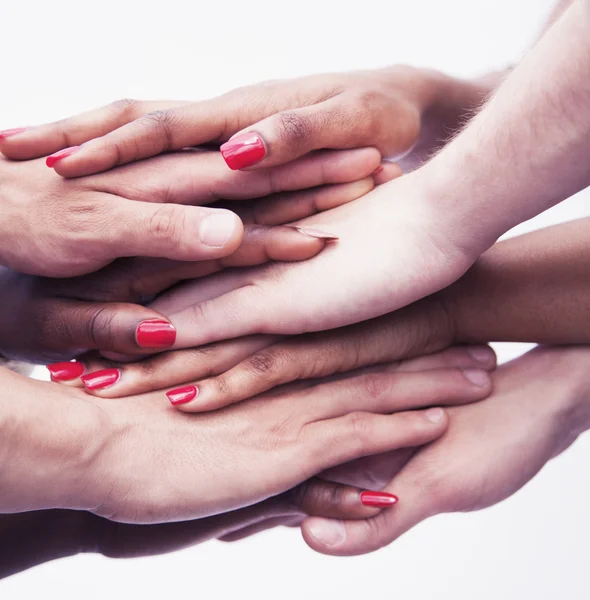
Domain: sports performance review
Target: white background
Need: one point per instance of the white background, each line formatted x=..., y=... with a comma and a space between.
x=60, y=57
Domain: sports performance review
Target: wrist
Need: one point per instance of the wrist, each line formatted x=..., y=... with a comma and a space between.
x=49, y=444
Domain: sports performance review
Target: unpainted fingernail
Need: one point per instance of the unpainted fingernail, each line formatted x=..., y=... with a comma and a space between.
x=329, y=532
x=476, y=377
x=435, y=415
x=482, y=354
x=317, y=233
x=217, y=228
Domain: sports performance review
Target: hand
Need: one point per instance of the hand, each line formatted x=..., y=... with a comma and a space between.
x=492, y=448
x=58, y=228
x=139, y=461
x=68, y=532
x=391, y=251
x=232, y=371
x=392, y=109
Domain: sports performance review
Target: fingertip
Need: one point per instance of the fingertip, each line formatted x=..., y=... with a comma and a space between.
x=244, y=150
x=326, y=536
x=222, y=232
x=385, y=172
x=437, y=417
x=182, y=397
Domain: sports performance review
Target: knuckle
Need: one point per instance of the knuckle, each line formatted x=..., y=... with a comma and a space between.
x=294, y=127
x=100, y=328
x=376, y=385
x=161, y=123
x=166, y=224
x=265, y=365
x=125, y=108
x=359, y=426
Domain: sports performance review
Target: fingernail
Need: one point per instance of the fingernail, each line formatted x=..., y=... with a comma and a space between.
x=435, y=415
x=182, y=395
x=476, y=377
x=217, y=228
x=482, y=354
x=53, y=158
x=10, y=132
x=65, y=371
x=243, y=151
x=316, y=233
x=155, y=333
x=378, y=170
x=328, y=532
x=379, y=499
x=101, y=379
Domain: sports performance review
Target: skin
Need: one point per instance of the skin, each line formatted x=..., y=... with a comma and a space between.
x=48, y=320
x=73, y=228
x=442, y=223
x=139, y=461
x=531, y=288
x=393, y=109
x=68, y=532
x=539, y=407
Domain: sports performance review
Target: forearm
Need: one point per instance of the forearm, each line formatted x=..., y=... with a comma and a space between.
x=532, y=288
x=47, y=446
x=527, y=149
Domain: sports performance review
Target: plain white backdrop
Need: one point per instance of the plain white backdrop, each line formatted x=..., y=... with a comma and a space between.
x=63, y=56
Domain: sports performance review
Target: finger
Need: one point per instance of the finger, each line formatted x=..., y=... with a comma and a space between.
x=340, y=122
x=327, y=499
x=309, y=357
x=156, y=132
x=363, y=434
x=183, y=298
x=463, y=357
x=73, y=327
x=200, y=177
x=287, y=208
x=171, y=231
x=353, y=537
x=175, y=368
x=33, y=142
x=387, y=171
x=141, y=279
x=217, y=318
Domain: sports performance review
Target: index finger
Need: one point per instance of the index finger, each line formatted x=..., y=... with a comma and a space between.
x=33, y=142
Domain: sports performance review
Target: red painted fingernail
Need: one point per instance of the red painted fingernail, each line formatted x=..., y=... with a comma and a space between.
x=378, y=170
x=65, y=371
x=10, y=132
x=316, y=233
x=101, y=379
x=378, y=499
x=53, y=158
x=182, y=395
x=243, y=151
x=155, y=333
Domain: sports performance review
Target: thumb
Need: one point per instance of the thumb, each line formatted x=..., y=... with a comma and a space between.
x=341, y=537
x=173, y=231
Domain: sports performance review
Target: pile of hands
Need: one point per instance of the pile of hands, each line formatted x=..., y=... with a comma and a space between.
x=285, y=332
